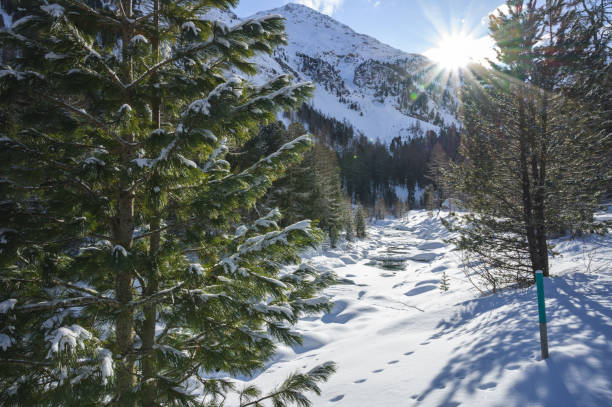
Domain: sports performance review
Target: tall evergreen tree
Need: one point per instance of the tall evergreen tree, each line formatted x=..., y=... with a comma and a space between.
x=328, y=200
x=125, y=279
x=520, y=150
x=294, y=192
x=349, y=225
x=437, y=167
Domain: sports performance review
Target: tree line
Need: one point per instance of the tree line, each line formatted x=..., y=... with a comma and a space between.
x=371, y=170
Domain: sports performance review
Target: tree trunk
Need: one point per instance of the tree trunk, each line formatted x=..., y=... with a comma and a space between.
x=539, y=174
x=526, y=187
x=149, y=368
x=123, y=234
x=124, y=329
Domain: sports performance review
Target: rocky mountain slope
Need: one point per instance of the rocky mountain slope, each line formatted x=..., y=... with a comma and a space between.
x=381, y=91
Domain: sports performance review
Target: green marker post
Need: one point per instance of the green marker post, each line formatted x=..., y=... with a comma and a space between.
x=542, y=314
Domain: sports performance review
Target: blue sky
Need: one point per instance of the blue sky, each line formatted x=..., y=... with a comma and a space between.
x=410, y=25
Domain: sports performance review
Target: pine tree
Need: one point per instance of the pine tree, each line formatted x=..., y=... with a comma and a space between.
x=360, y=223
x=125, y=278
x=444, y=283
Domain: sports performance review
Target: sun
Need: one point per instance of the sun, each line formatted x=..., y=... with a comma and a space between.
x=455, y=51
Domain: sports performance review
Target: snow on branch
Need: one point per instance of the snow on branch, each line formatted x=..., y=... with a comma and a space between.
x=275, y=309
x=119, y=251
x=163, y=156
x=258, y=243
x=7, y=305
x=54, y=10
x=106, y=364
x=284, y=148
x=6, y=342
x=213, y=160
x=139, y=38
x=287, y=92
x=202, y=106
x=67, y=339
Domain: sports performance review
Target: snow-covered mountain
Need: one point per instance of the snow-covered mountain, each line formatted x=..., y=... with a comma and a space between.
x=381, y=91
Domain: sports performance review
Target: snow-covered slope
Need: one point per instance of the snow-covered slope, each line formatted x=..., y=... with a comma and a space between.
x=399, y=341
x=383, y=92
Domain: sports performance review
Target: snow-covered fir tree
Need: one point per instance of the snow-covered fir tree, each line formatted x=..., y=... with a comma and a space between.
x=126, y=279
x=444, y=283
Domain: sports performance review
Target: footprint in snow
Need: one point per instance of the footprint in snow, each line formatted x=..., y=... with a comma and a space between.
x=488, y=386
x=392, y=362
x=360, y=381
x=425, y=343
x=337, y=398
x=361, y=294
x=409, y=353
x=377, y=370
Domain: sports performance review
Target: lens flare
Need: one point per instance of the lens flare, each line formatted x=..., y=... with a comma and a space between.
x=455, y=51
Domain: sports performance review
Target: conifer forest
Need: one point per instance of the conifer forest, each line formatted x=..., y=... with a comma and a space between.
x=229, y=203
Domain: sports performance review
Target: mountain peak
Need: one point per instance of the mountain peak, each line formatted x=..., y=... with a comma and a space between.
x=378, y=89
x=296, y=6
x=320, y=34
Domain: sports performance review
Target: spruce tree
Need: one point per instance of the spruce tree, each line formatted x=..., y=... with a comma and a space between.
x=328, y=199
x=444, y=283
x=349, y=225
x=126, y=280
x=294, y=192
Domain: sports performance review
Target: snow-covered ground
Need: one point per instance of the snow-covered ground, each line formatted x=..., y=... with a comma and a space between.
x=399, y=341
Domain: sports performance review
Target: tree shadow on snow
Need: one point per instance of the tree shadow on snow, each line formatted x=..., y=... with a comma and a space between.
x=500, y=335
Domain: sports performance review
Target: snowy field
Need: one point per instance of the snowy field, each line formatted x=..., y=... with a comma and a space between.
x=399, y=341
